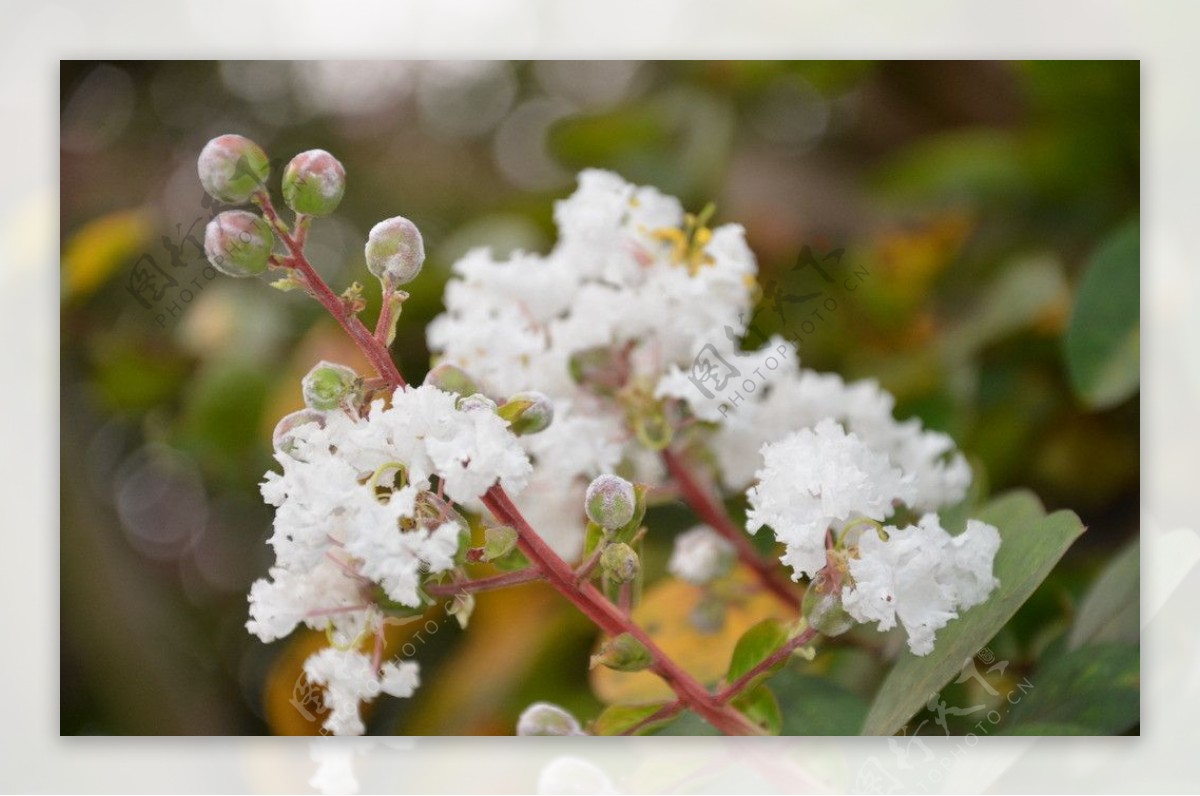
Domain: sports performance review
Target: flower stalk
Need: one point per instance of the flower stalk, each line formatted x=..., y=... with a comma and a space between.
x=584, y=596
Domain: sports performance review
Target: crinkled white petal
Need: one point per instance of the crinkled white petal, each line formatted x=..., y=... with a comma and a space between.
x=350, y=680
x=921, y=577
x=815, y=477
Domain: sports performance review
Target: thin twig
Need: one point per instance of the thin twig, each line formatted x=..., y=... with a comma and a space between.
x=500, y=581
x=783, y=653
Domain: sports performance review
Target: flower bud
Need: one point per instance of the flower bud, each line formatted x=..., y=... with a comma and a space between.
x=623, y=653
x=701, y=556
x=395, y=251
x=451, y=378
x=543, y=718
x=284, y=438
x=239, y=243
x=822, y=607
x=327, y=385
x=620, y=562
x=476, y=402
x=232, y=168
x=313, y=183
x=610, y=501
x=528, y=412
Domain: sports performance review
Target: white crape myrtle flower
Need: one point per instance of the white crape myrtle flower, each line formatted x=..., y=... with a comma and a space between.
x=335, y=538
x=818, y=477
x=349, y=680
x=701, y=555
x=920, y=576
x=800, y=398
x=615, y=280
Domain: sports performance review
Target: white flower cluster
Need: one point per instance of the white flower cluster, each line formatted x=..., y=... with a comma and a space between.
x=921, y=576
x=626, y=277
x=350, y=679
x=820, y=485
x=341, y=532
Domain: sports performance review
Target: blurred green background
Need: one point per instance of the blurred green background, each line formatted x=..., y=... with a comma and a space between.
x=987, y=203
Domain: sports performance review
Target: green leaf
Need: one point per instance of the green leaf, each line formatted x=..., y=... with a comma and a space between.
x=1103, y=342
x=1110, y=611
x=1041, y=729
x=1095, y=687
x=817, y=706
x=688, y=723
x=627, y=531
x=1031, y=544
x=755, y=646
x=618, y=719
x=510, y=561
x=760, y=706
x=1024, y=291
x=592, y=538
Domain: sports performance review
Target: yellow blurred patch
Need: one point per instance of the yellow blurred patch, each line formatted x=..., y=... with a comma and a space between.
x=509, y=630
x=665, y=613
x=911, y=259
x=100, y=247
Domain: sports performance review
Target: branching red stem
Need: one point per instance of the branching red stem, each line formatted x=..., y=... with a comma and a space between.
x=550, y=565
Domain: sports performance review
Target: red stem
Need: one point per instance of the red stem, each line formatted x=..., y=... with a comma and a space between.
x=730, y=692
x=781, y=654
x=378, y=356
x=609, y=618
x=485, y=584
x=583, y=596
x=384, y=324
x=712, y=513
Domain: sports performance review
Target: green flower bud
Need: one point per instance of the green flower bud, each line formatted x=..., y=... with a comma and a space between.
x=395, y=251
x=327, y=385
x=452, y=378
x=610, y=501
x=284, y=439
x=238, y=243
x=498, y=542
x=623, y=653
x=232, y=168
x=528, y=412
x=543, y=718
x=476, y=402
x=822, y=607
x=620, y=562
x=314, y=182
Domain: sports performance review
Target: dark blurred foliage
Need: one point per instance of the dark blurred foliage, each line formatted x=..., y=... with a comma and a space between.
x=969, y=197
